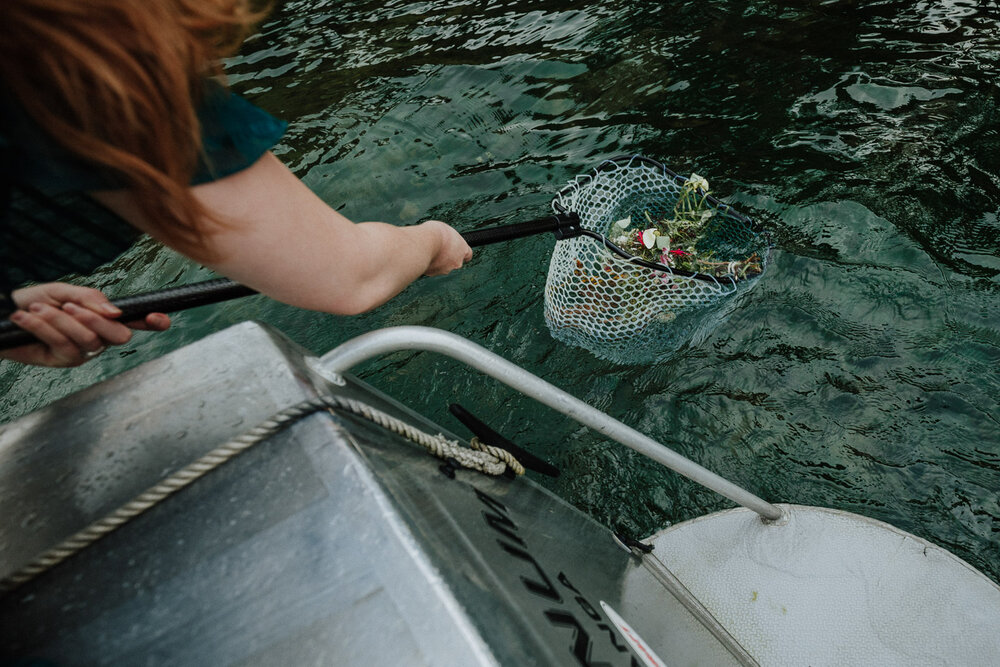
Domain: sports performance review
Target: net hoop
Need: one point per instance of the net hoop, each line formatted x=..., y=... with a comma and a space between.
x=632, y=312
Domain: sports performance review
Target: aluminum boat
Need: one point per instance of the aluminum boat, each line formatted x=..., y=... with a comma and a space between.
x=337, y=539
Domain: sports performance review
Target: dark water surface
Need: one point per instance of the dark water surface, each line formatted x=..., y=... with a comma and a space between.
x=862, y=372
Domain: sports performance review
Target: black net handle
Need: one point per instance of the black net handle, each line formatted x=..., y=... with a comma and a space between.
x=223, y=289
x=563, y=225
x=136, y=307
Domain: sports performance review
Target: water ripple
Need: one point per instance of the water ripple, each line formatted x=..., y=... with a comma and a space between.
x=862, y=371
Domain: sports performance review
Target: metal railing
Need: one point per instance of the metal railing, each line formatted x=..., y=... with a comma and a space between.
x=393, y=339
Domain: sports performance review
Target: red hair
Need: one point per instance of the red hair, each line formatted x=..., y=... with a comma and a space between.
x=117, y=82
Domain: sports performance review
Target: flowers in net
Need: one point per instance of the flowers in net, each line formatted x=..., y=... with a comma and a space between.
x=677, y=239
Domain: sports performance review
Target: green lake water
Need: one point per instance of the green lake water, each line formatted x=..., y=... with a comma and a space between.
x=861, y=373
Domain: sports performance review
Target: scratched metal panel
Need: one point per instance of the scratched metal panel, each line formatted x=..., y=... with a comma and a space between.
x=269, y=555
x=74, y=461
x=332, y=543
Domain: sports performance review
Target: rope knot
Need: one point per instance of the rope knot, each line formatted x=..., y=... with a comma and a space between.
x=498, y=453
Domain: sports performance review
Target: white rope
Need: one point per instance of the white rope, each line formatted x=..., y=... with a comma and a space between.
x=499, y=453
x=486, y=459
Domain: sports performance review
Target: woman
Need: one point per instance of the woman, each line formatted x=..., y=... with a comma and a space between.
x=111, y=113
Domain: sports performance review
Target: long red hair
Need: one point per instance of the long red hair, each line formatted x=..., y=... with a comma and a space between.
x=117, y=82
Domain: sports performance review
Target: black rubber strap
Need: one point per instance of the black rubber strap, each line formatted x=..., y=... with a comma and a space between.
x=490, y=437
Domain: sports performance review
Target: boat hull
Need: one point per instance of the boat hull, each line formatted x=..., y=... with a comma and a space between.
x=333, y=542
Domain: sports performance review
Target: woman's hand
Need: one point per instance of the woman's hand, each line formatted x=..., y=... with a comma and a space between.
x=453, y=252
x=73, y=324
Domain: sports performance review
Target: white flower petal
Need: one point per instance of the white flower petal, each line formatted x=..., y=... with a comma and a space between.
x=663, y=242
x=624, y=222
x=698, y=182
x=649, y=238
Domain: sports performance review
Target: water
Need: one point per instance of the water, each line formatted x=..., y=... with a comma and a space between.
x=860, y=374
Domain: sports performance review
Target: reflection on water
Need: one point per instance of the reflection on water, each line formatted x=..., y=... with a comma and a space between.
x=860, y=374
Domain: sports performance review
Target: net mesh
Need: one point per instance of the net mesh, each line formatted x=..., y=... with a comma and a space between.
x=627, y=313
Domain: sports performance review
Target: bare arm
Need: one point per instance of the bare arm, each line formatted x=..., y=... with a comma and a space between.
x=284, y=241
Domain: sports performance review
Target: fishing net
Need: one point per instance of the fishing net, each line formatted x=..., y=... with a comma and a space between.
x=675, y=291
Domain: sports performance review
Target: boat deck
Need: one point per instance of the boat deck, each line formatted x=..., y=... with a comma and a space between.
x=333, y=542
x=338, y=541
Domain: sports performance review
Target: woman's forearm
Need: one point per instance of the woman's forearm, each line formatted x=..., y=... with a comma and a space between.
x=386, y=259
x=281, y=239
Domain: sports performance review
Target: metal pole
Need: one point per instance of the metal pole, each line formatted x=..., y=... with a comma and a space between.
x=376, y=343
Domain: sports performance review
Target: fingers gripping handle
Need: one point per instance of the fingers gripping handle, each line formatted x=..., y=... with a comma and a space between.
x=139, y=305
x=564, y=225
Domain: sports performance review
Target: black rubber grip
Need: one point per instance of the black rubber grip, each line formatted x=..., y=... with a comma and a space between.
x=564, y=226
x=138, y=306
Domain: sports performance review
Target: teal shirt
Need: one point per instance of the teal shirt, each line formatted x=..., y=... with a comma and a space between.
x=50, y=228
x=234, y=134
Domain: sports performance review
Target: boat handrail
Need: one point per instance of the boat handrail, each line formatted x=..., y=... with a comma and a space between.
x=394, y=339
